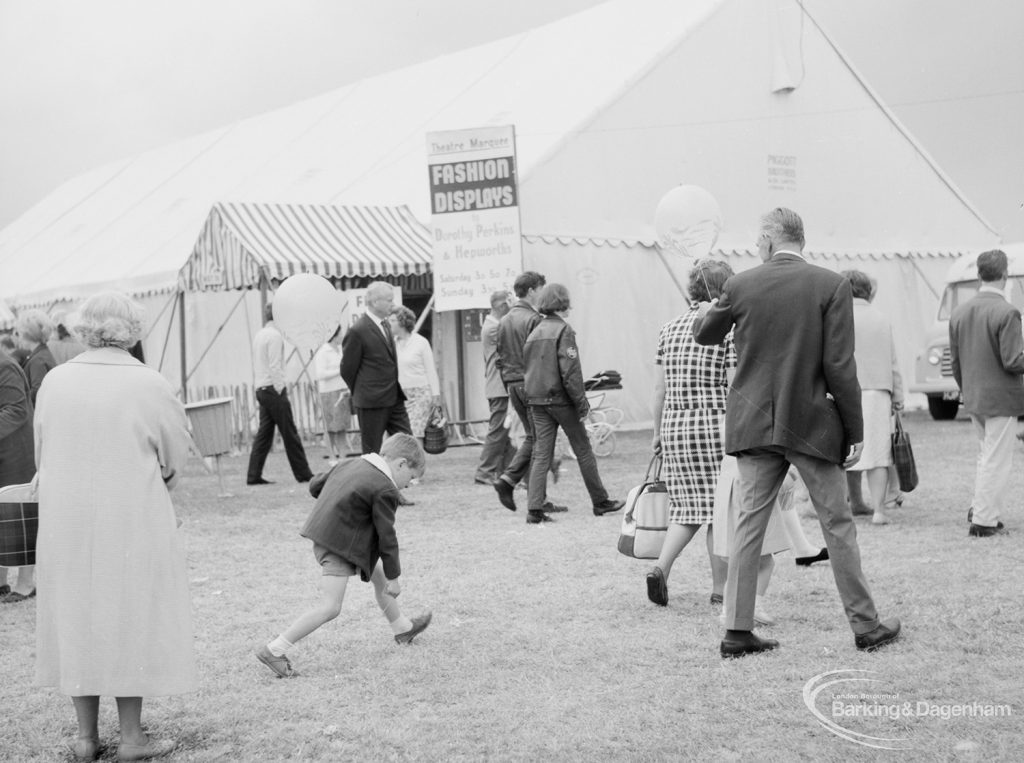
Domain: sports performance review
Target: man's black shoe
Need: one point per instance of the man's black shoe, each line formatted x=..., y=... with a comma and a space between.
x=983, y=531
x=506, y=494
x=607, y=506
x=259, y=481
x=537, y=517
x=739, y=646
x=807, y=561
x=885, y=633
x=553, y=508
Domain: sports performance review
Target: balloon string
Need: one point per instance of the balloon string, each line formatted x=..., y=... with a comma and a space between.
x=672, y=274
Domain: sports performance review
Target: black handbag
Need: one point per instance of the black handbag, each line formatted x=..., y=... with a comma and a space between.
x=903, y=458
x=435, y=433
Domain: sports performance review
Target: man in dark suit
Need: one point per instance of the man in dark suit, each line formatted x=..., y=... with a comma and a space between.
x=987, y=354
x=369, y=367
x=794, y=400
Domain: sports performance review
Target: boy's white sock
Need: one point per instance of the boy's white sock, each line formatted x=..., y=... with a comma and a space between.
x=279, y=646
x=391, y=610
x=401, y=625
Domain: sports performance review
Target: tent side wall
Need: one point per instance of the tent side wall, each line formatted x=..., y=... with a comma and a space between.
x=622, y=295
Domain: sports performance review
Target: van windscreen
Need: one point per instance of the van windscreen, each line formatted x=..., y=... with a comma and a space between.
x=961, y=291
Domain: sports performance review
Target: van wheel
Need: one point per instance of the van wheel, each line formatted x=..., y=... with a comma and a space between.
x=942, y=410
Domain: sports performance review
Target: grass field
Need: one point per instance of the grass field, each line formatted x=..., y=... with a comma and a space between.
x=544, y=646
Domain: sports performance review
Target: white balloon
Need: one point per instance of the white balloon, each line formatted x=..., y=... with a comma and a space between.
x=307, y=310
x=688, y=221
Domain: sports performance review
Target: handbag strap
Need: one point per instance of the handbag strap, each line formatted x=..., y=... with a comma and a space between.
x=899, y=424
x=653, y=471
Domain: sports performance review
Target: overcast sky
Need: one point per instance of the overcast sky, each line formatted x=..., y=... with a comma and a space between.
x=85, y=83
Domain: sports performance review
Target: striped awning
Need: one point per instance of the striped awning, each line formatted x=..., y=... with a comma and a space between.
x=241, y=242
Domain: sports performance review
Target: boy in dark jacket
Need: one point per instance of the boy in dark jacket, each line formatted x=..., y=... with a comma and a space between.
x=352, y=527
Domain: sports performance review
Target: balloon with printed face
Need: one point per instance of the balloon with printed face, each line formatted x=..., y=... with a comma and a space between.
x=688, y=221
x=307, y=309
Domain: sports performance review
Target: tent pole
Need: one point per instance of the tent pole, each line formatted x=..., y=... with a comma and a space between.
x=170, y=327
x=181, y=341
x=152, y=324
x=460, y=362
x=216, y=334
x=424, y=314
x=263, y=293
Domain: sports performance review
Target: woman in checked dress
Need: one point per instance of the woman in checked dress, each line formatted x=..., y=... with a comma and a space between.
x=689, y=405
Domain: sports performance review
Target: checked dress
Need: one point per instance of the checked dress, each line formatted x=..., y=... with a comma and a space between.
x=696, y=389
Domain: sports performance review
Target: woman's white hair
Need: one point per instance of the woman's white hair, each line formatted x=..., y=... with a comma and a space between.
x=109, y=319
x=34, y=326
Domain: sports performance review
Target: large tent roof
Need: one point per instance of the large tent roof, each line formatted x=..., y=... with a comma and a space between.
x=581, y=95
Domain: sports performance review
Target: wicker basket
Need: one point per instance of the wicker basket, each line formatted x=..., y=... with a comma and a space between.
x=211, y=425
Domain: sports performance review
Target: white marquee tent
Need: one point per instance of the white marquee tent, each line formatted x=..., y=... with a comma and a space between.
x=612, y=108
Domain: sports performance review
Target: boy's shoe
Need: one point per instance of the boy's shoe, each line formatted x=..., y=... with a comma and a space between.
x=419, y=624
x=537, y=517
x=280, y=665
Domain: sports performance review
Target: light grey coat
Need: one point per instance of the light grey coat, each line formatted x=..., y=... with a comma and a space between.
x=113, y=615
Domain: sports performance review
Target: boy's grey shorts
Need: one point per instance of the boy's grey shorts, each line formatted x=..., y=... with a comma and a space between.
x=332, y=564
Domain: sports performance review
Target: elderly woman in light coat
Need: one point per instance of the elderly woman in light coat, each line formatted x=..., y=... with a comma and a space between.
x=881, y=392
x=113, y=616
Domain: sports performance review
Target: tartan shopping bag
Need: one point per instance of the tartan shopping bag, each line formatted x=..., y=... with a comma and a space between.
x=19, y=524
x=645, y=523
x=903, y=458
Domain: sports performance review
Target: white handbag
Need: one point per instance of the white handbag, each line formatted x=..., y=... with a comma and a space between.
x=645, y=523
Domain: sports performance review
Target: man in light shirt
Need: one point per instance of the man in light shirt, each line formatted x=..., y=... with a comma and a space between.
x=275, y=410
x=987, y=356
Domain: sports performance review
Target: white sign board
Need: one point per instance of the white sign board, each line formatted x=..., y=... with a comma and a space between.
x=474, y=200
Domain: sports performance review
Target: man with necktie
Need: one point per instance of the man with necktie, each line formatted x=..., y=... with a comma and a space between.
x=369, y=367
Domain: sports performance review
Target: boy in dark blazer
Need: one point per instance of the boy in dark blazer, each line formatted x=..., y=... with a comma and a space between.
x=352, y=527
